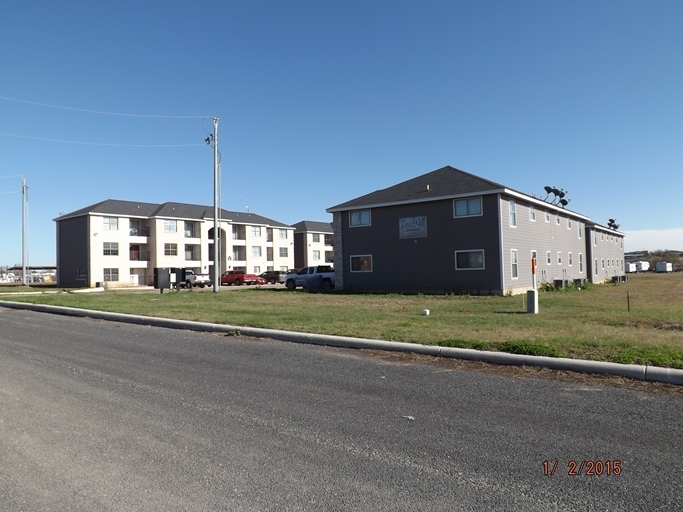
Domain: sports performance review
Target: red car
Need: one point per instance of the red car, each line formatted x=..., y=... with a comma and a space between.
x=254, y=279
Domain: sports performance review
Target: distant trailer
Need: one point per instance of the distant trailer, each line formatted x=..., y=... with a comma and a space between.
x=642, y=266
x=629, y=267
x=663, y=266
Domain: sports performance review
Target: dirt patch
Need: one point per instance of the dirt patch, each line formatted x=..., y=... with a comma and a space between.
x=585, y=379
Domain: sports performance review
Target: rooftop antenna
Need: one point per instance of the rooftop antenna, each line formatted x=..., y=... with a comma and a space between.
x=247, y=207
x=24, y=231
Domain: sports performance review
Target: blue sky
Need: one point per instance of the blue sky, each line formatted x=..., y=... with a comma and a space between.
x=321, y=102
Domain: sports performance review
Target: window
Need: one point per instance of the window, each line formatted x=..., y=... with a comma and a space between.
x=134, y=227
x=110, y=249
x=283, y=252
x=603, y=263
x=569, y=259
x=316, y=237
x=269, y=253
x=465, y=260
x=110, y=224
x=170, y=249
x=111, y=274
x=361, y=263
x=595, y=239
x=467, y=207
x=283, y=234
x=256, y=251
x=316, y=255
x=284, y=268
x=557, y=219
x=569, y=223
x=602, y=237
x=514, y=263
x=256, y=231
x=548, y=258
x=596, y=266
x=192, y=253
x=189, y=230
x=257, y=270
x=359, y=218
x=170, y=226
x=559, y=257
x=532, y=214
x=581, y=263
x=578, y=228
x=547, y=217
x=513, y=213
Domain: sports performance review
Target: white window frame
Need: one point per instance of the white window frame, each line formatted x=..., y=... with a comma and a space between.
x=316, y=255
x=110, y=275
x=547, y=216
x=110, y=223
x=357, y=218
x=256, y=251
x=283, y=252
x=548, y=257
x=559, y=257
x=170, y=226
x=580, y=263
x=569, y=223
x=579, y=230
x=469, y=203
x=570, y=260
x=283, y=234
x=361, y=257
x=469, y=251
x=532, y=213
x=513, y=213
x=170, y=249
x=514, y=264
x=315, y=237
x=256, y=231
x=110, y=249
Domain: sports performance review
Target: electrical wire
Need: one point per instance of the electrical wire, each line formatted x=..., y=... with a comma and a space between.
x=99, y=111
x=102, y=143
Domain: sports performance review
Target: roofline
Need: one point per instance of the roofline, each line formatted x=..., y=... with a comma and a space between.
x=506, y=191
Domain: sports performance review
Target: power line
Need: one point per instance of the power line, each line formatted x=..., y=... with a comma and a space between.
x=99, y=111
x=101, y=143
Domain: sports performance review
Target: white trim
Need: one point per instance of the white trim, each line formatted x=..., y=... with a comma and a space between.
x=483, y=259
x=372, y=263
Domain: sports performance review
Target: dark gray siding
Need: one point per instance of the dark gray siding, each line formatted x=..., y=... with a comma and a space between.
x=423, y=264
x=300, y=250
x=72, y=252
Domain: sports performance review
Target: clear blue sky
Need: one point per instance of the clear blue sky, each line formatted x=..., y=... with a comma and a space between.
x=321, y=102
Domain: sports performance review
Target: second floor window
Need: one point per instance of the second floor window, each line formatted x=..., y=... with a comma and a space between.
x=170, y=249
x=110, y=249
x=283, y=252
x=256, y=231
x=316, y=237
x=513, y=213
x=359, y=218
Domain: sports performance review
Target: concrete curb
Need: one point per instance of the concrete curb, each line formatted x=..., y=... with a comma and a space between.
x=633, y=371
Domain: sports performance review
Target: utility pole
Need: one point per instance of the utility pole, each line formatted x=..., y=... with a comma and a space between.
x=216, y=237
x=24, y=231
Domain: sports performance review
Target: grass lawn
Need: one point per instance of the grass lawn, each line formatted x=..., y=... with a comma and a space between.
x=593, y=323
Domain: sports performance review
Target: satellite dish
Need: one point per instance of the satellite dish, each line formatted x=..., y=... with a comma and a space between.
x=564, y=202
x=548, y=189
x=612, y=221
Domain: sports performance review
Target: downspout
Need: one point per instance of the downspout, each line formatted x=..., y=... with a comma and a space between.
x=501, y=245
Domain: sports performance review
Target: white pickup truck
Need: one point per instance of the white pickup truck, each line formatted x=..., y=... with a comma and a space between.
x=319, y=276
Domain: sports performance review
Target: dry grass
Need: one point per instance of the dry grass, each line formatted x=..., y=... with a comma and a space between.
x=592, y=324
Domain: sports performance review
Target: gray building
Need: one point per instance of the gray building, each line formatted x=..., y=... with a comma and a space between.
x=451, y=231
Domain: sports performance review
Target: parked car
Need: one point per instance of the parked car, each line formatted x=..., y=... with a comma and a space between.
x=274, y=276
x=320, y=276
x=237, y=277
x=254, y=279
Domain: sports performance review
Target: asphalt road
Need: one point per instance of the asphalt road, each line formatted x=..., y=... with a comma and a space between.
x=98, y=415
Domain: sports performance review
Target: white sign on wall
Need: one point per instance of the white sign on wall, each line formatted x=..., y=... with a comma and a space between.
x=412, y=227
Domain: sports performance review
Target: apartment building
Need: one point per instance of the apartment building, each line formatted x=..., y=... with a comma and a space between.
x=313, y=243
x=121, y=242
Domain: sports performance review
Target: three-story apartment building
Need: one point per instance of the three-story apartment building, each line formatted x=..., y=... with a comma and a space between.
x=121, y=242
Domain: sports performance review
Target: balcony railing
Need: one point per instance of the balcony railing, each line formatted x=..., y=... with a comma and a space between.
x=139, y=232
x=139, y=255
